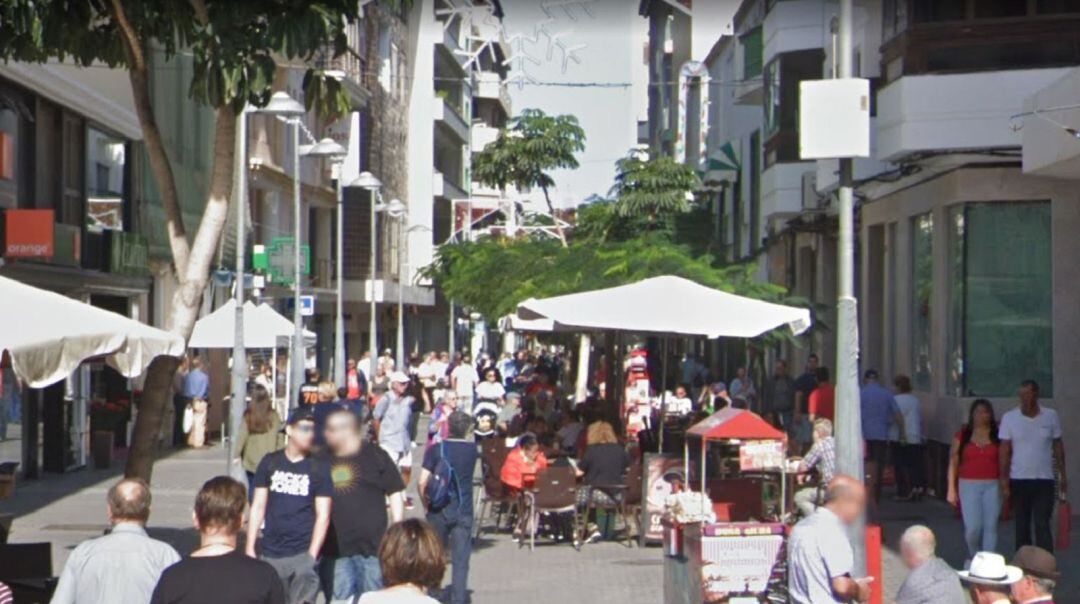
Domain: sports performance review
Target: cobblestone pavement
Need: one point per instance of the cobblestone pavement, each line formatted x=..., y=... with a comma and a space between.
x=67, y=509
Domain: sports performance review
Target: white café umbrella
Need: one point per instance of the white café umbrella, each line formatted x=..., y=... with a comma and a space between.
x=665, y=305
x=48, y=335
x=264, y=327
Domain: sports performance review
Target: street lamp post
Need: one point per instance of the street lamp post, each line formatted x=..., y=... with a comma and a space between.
x=284, y=106
x=400, y=293
x=239, y=360
x=327, y=147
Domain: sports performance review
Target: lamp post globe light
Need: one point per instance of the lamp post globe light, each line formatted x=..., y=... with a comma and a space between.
x=284, y=106
x=329, y=148
x=367, y=181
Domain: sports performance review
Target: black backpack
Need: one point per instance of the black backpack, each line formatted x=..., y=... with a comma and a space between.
x=443, y=483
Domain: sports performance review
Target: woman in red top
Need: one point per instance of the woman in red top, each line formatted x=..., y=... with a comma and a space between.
x=973, y=477
x=521, y=465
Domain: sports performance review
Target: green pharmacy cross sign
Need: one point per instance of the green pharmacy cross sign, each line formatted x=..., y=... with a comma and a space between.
x=277, y=260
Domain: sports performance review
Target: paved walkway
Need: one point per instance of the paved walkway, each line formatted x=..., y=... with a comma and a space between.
x=67, y=509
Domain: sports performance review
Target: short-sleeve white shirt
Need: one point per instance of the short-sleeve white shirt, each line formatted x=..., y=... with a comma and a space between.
x=818, y=552
x=1032, y=442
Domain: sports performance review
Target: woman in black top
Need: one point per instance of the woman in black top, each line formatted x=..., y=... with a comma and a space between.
x=216, y=572
x=604, y=463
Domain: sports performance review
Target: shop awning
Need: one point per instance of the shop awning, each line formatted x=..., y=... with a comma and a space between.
x=48, y=335
x=264, y=327
x=665, y=305
x=730, y=423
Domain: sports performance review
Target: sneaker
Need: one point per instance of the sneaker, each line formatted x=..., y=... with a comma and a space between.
x=594, y=537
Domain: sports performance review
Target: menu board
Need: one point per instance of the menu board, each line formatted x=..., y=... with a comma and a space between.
x=740, y=560
x=761, y=455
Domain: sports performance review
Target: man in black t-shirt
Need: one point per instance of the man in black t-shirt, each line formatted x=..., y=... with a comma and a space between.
x=454, y=522
x=216, y=573
x=309, y=390
x=292, y=495
x=364, y=477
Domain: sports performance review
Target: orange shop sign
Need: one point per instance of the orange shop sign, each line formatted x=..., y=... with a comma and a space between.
x=28, y=233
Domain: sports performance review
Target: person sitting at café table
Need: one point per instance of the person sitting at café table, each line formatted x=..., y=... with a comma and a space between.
x=522, y=463
x=603, y=465
x=820, y=457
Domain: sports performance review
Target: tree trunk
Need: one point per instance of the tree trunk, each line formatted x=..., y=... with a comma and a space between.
x=558, y=226
x=184, y=308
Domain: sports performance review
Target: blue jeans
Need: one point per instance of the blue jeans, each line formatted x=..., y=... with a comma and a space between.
x=347, y=578
x=455, y=530
x=980, y=506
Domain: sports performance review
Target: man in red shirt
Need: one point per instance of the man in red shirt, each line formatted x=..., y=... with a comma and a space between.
x=822, y=401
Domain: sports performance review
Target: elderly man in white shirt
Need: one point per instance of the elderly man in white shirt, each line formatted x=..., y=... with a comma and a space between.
x=124, y=565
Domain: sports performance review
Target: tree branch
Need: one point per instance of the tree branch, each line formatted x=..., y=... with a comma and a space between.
x=138, y=73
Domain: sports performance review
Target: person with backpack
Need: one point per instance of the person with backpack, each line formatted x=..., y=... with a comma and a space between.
x=446, y=490
x=364, y=477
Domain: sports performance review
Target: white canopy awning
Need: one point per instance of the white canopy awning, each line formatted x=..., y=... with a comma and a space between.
x=665, y=305
x=264, y=327
x=516, y=323
x=48, y=335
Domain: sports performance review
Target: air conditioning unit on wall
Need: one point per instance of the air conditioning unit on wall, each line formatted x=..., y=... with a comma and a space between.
x=811, y=199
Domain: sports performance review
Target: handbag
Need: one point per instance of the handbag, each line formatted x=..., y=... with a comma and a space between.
x=189, y=419
x=1064, y=525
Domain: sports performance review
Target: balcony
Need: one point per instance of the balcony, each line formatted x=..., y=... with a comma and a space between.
x=954, y=112
x=489, y=85
x=443, y=187
x=447, y=116
x=482, y=136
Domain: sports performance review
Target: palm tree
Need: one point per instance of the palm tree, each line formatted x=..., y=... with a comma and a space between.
x=531, y=145
x=653, y=186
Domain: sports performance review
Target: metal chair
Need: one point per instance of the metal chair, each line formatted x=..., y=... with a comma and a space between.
x=555, y=492
x=494, y=493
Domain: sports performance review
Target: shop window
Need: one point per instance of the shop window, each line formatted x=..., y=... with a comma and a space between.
x=105, y=181
x=997, y=9
x=1001, y=298
x=922, y=290
x=1056, y=7
x=935, y=11
x=753, y=53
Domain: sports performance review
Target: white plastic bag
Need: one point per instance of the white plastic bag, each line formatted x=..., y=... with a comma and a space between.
x=189, y=419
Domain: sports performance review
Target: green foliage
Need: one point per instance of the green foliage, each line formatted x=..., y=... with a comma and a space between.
x=493, y=275
x=532, y=144
x=234, y=52
x=653, y=185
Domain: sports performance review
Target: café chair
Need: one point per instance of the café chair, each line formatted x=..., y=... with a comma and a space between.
x=555, y=492
x=494, y=495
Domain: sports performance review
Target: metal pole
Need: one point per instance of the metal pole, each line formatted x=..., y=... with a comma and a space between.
x=663, y=390
x=373, y=323
x=239, y=355
x=339, y=310
x=400, y=298
x=297, y=354
x=453, y=325
x=849, y=441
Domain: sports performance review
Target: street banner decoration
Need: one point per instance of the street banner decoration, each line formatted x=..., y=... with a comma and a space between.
x=693, y=69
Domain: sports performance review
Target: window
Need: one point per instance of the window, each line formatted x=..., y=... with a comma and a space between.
x=105, y=181
x=932, y=11
x=9, y=128
x=753, y=54
x=782, y=78
x=1001, y=297
x=922, y=290
x=894, y=18
x=385, y=59
x=996, y=9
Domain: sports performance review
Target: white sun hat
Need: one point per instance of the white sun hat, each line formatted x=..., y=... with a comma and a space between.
x=988, y=568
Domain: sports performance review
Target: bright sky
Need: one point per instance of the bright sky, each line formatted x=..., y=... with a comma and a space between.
x=610, y=54
x=609, y=41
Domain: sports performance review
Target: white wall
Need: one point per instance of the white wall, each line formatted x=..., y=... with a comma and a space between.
x=424, y=32
x=1048, y=149
x=953, y=112
x=796, y=25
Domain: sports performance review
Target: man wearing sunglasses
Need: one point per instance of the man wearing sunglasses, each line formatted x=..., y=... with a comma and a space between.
x=292, y=496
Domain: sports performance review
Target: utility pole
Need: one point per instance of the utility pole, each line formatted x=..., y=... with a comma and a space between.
x=849, y=459
x=239, y=357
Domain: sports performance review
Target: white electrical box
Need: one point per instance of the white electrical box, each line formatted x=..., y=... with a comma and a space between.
x=834, y=118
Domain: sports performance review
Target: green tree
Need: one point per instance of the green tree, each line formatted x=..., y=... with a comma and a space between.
x=653, y=186
x=235, y=47
x=531, y=145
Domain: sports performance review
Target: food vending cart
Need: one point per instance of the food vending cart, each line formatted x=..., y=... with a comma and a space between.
x=734, y=551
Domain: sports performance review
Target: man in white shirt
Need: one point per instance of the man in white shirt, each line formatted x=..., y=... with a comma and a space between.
x=123, y=566
x=680, y=405
x=820, y=558
x=1031, y=450
x=463, y=380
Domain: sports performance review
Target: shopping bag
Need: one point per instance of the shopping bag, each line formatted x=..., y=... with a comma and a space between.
x=189, y=419
x=1064, y=526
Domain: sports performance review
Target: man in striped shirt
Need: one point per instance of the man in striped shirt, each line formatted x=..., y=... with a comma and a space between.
x=820, y=457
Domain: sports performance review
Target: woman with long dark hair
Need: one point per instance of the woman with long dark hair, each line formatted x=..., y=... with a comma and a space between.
x=973, y=477
x=260, y=433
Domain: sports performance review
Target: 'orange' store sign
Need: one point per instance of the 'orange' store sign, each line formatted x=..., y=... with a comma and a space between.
x=28, y=233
